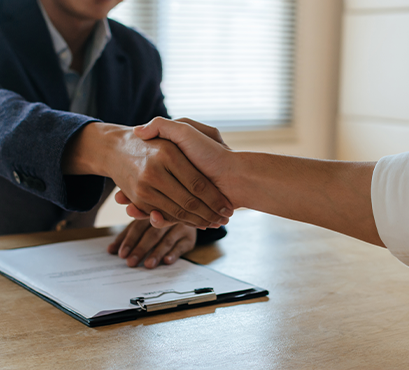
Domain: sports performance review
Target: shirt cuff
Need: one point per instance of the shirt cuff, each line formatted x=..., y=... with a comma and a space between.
x=390, y=203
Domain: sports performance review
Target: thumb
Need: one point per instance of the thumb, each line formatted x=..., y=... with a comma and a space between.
x=202, y=151
x=121, y=198
x=209, y=131
x=154, y=128
x=177, y=130
x=179, y=133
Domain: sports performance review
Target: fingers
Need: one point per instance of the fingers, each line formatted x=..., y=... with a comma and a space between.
x=158, y=221
x=143, y=246
x=140, y=239
x=114, y=246
x=120, y=198
x=181, y=247
x=180, y=205
x=136, y=213
x=168, y=181
x=125, y=241
x=209, y=131
x=131, y=210
x=207, y=203
x=178, y=240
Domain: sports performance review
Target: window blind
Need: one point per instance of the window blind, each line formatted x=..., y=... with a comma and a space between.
x=229, y=63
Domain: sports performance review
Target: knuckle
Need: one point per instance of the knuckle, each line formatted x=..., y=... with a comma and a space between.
x=187, y=248
x=198, y=185
x=217, y=202
x=155, y=120
x=153, y=233
x=141, y=249
x=129, y=240
x=214, y=131
x=180, y=214
x=203, y=223
x=209, y=216
x=181, y=249
x=142, y=193
x=192, y=204
x=148, y=175
x=214, y=217
x=168, y=241
x=169, y=219
x=164, y=154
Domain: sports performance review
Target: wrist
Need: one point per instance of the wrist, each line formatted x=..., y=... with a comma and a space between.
x=236, y=174
x=89, y=151
x=251, y=179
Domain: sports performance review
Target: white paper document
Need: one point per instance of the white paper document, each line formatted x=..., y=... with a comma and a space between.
x=82, y=277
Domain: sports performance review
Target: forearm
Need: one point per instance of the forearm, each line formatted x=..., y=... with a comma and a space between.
x=332, y=194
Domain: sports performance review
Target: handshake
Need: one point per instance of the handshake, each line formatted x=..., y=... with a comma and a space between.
x=196, y=188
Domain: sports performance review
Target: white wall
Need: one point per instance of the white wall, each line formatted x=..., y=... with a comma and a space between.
x=316, y=87
x=374, y=102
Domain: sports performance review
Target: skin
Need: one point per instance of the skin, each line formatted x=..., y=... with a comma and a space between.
x=331, y=194
x=153, y=175
x=146, y=172
x=75, y=20
x=140, y=239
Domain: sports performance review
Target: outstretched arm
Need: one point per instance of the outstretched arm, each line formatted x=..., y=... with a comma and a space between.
x=332, y=194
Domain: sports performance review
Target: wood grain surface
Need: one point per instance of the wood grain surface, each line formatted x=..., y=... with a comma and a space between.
x=334, y=303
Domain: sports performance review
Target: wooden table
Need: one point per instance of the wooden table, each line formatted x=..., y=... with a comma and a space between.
x=334, y=303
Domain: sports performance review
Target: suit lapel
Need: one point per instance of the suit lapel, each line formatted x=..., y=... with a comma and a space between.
x=28, y=34
x=114, y=85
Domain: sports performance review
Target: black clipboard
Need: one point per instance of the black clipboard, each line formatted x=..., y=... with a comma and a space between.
x=137, y=312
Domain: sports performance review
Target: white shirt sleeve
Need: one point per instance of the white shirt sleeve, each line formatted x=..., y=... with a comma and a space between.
x=390, y=203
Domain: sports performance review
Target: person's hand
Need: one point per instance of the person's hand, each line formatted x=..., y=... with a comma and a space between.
x=153, y=175
x=139, y=240
x=202, y=145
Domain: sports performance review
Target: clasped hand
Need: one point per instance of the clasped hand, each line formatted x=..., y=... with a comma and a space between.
x=156, y=175
x=205, y=149
x=139, y=239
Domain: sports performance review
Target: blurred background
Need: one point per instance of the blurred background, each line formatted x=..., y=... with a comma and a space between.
x=318, y=78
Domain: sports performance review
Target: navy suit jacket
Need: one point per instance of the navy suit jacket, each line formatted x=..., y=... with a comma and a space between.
x=35, y=122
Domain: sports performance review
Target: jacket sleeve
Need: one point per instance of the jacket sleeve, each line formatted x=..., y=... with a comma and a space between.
x=32, y=141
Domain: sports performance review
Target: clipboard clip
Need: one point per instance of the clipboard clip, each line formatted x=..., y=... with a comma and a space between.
x=191, y=297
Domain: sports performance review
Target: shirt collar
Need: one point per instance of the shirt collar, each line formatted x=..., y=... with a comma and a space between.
x=101, y=36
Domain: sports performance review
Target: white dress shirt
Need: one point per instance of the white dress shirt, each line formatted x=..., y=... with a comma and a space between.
x=81, y=88
x=390, y=203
